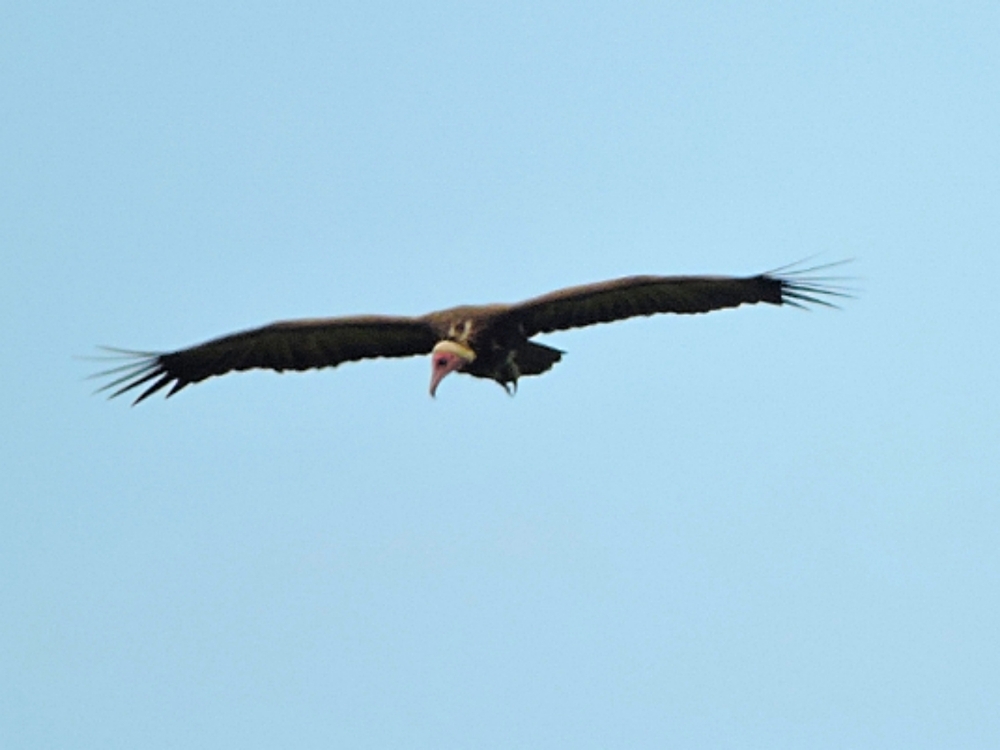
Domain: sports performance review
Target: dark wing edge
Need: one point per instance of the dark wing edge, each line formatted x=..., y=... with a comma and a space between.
x=795, y=285
x=802, y=287
x=287, y=345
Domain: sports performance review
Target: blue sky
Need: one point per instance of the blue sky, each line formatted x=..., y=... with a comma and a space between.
x=757, y=528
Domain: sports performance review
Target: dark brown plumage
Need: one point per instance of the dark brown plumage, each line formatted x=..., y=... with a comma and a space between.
x=486, y=341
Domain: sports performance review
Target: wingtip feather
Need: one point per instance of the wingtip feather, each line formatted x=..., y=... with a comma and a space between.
x=141, y=368
x=802, y=287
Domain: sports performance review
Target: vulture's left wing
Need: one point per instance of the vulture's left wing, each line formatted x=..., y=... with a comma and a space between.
x=617, y=299
x=290, y=345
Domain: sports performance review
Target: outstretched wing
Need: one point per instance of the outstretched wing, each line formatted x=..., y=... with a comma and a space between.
x=579, y=306
x=289, y=345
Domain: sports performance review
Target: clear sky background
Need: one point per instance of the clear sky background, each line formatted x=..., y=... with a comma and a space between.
x=761, y=528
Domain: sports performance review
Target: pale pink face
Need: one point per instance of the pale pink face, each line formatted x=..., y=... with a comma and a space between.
x=443, y=363
x=448, y=357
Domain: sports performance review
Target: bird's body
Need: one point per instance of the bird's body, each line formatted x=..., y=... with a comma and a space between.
x=485, y=341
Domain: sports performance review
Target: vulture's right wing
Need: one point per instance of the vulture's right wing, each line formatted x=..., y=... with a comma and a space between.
x=289, y=345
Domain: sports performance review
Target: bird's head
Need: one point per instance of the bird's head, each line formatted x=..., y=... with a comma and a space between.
x=448, y=356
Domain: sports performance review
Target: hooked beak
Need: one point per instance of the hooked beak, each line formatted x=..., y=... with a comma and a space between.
x=446, y=357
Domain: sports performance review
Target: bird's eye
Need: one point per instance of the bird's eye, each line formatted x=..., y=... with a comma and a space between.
x=442, y=362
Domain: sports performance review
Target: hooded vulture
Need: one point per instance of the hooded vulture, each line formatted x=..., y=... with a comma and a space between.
x=485, y=341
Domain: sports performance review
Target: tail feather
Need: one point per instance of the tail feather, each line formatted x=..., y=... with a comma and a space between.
x=534, y=359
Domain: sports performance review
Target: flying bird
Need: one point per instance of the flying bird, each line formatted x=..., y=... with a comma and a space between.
x=486, y=341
